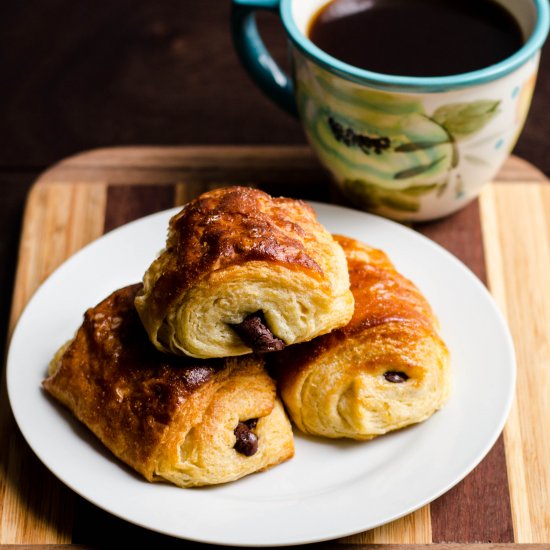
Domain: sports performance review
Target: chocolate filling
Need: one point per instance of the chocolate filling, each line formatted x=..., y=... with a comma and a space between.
x=252, y=423
x=395, y=376
x=254, y=333
x=247, y=441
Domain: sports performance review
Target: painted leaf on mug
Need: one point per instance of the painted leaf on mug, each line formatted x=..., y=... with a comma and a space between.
x=417, y=170
x=374, y=197
x=464, y=119
x=387, y=151
x=395, y=153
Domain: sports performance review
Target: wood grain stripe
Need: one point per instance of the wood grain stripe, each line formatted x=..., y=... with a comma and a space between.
x=58, y=222
x=34, y=506
x=414, y=528
x=460, y=234
x=512, y=433
x=519, y=250
x=478, y=508
x=126, y=203
x=28, y=515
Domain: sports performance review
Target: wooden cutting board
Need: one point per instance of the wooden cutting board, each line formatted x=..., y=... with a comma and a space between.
x=504, y=238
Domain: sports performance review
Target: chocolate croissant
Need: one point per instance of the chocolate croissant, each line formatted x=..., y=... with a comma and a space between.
x=386, y=369
x=244, y=272
x=187, y=421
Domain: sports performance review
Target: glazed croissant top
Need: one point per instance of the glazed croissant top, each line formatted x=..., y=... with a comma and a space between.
x=107, y=348
x=386, y=369
x=168, y=417
x=236, y=252
x=382, y=295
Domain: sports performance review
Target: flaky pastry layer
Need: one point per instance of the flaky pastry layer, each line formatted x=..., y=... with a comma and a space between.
x=170, y=418
x=234, y=252
x=387, y=369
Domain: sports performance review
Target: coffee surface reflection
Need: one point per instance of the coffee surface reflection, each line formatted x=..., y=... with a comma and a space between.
x=416, y=37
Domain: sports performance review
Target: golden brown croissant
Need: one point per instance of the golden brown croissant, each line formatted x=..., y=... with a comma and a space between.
x=386, y=369
x=244, y=272
x=188, y=421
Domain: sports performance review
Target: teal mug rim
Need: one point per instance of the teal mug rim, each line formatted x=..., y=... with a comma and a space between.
x=416, y=83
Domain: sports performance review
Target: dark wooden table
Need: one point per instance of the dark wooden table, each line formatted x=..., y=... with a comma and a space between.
x=77, y=75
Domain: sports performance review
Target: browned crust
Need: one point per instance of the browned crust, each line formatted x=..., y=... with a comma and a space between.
x=114, y=381
x=382, y=297
x=230, y=226
x=381, y=293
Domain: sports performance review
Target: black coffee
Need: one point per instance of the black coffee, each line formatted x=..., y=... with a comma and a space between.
x=416, y=37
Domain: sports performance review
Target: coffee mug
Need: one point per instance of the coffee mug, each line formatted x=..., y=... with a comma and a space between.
x=409, y=148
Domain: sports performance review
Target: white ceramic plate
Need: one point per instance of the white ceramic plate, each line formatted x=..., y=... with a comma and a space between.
x=330, y=488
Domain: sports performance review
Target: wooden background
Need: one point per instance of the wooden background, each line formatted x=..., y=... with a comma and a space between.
x=78, y=74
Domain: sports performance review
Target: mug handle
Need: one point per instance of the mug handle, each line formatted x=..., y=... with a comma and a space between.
x=254, y=56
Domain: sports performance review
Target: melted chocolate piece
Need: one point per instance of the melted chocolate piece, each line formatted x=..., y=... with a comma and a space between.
x=395, y=376
x=247, y=441
x=254, y=333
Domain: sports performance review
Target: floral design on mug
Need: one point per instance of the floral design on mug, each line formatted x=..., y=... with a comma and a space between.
x=459, y=120
x=412, y=147
x=352, y=139
x=388, y=151
x=464, y=119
